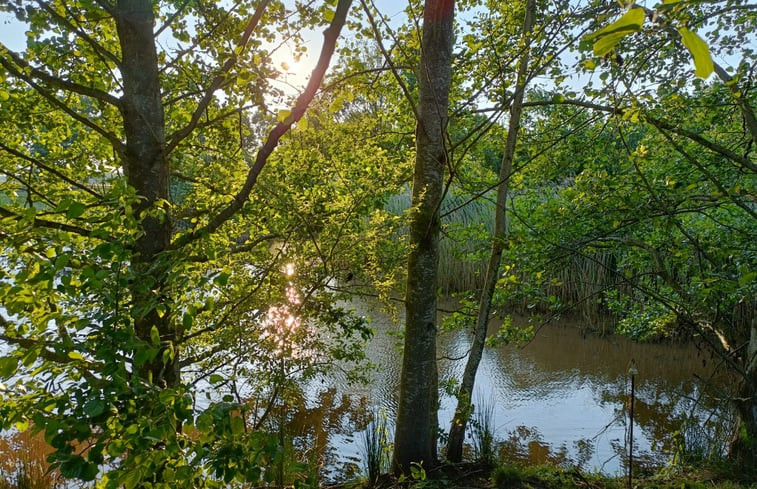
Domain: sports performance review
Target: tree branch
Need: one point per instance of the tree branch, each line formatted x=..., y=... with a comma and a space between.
x=388, y=59
x=175, y=138
x=31, y=72
x=658, y=123
x=49, y=169
x=303, y=101
x=42, y=223
x=96, y=47
x=116, y=143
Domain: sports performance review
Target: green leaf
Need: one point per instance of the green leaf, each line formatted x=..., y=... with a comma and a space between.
x=204, y=422
x=747, y=278
x=8, y=366
x=155, y=335
x=187, y=320
x=4, y=95
x=237, y=425
x=699, y=51
x=94, y=408
x=132, y=478
x=283, y=115
x=222, y=279
x=75, y=355
x=75, y=210
x=61, y=261
x=609, y=36
x=215, y=378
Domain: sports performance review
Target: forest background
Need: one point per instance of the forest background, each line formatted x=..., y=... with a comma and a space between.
x=178, y=230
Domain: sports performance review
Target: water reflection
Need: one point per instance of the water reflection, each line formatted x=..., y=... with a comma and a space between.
x=562, y=398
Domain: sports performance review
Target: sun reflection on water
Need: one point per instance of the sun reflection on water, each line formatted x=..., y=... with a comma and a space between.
x=283, y=328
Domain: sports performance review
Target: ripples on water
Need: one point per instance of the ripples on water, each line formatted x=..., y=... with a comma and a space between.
x=561, y=398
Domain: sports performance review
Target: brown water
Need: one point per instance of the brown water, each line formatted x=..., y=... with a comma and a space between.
x=563, y=397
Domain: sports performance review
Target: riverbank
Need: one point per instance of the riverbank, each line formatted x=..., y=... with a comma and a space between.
x=476, y=476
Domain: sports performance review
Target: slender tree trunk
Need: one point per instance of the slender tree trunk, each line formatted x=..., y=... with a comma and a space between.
x=499, y=239
x=415, y=432
x=146, y=166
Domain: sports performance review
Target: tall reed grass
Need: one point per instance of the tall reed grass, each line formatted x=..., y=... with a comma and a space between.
x=576, y=282
x=23, y=463
x=482, y=432
x=375, y=448
x=465, y=243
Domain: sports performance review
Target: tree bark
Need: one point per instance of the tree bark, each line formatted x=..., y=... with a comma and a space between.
x=743, y=448
x=145, y=164
x=499, y=239
x=416, y=426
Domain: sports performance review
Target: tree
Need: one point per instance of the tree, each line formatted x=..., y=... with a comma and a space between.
x=415, y=429
x=127, y=182
x=498, y=240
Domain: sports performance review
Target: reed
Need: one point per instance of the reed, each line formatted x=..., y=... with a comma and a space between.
x=464, y=246
x=482, y=432
x=375, y=449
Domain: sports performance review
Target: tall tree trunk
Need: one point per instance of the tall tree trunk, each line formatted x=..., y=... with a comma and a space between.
x=499, y=239
x=146, y=166
x=415, y=433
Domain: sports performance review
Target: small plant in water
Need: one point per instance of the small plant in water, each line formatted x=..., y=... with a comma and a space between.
x=375, y=449
x=482, y=431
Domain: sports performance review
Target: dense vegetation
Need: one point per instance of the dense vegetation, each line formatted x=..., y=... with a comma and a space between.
x=180, y=226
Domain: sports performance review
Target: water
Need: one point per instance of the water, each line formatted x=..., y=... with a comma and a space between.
x=563, y=397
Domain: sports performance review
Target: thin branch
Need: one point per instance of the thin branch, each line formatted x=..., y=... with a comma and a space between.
x=96, y=47
x=50, y=169
x=116, y=143
x=388, y=59
x=659, y=123
x=303, y=101
x=175, y=138
x=42, y=223
x=20, y=68
x=746, y=207
x=171, y=18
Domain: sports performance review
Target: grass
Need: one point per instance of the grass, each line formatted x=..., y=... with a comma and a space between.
x=482, y=431
x=546, y=476
x=464, y=247
x=375, y=448
x=575, y=281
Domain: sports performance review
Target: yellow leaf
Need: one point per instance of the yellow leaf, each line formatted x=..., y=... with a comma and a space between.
x=283, y=115
x=608, y=37
x=699, y=50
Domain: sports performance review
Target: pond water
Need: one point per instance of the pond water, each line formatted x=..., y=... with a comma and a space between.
x=563, y=397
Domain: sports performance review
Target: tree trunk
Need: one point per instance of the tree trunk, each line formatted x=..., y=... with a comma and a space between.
x=146, y=168
x=743, y=448
x=499, y=239
x=416, y=427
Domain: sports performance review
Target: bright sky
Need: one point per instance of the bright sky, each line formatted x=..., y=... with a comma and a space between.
x=12, y=35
